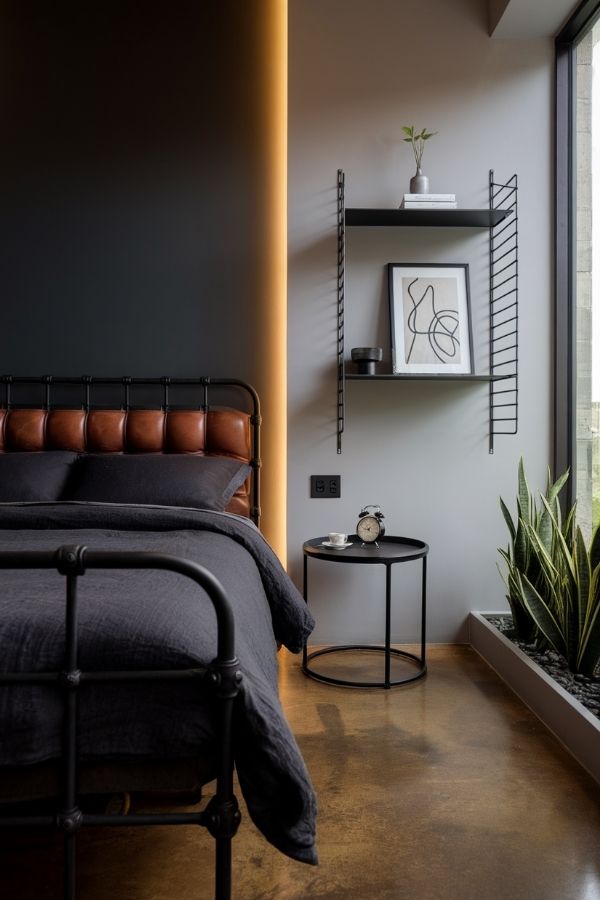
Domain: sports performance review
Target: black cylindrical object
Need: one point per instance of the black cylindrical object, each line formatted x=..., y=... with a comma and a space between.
x=366, y=359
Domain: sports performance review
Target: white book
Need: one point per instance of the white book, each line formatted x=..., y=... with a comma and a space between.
x=434, y=198
x=408, y=204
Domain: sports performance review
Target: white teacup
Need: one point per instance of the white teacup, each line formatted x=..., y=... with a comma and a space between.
x=336, y=537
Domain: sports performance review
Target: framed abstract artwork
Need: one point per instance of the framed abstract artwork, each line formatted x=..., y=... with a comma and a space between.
x=430, y=319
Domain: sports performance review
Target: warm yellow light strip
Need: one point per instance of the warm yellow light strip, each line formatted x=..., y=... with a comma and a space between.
x=275, y=450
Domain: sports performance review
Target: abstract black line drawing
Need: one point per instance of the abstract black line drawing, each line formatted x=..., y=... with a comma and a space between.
x=431, y=329
x=438, y=326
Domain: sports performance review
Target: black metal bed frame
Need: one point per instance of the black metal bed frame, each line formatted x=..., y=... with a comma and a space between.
x=221, y=817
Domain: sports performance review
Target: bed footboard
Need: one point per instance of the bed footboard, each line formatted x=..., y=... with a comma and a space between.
x=221, y=817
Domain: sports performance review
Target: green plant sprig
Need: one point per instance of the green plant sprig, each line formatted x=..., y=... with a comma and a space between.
x=417, y=139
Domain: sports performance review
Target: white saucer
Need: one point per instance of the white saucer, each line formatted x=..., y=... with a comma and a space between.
x=336, y=546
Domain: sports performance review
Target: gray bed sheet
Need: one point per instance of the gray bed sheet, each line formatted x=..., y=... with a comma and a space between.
x=156, y=619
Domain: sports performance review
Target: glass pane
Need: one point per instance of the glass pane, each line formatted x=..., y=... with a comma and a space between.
x=587, y=194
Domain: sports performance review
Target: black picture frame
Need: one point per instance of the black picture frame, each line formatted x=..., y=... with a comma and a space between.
x=430, y=319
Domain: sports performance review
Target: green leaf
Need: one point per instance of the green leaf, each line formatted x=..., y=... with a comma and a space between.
x=543, y=556
x=567, y=529
x=545, y=576
x=407, y=140
x=505, y=554
x=408, y=129
x=521, y=547
x=595, y=548
x=583, y=579
x=564, y=553
x=545, y=527
x=508, y=520
x=523, y=624
x=589, y=648
x=541, y=614
x=524, y=494
x=589, y=651
x=554, y=489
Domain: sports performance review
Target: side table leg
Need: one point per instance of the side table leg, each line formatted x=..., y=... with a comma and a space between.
x=423, y=608
x=388, y=607
x=305, y=594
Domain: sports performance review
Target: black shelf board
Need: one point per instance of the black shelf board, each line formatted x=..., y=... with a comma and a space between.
x=446, y=218
x=451, y=376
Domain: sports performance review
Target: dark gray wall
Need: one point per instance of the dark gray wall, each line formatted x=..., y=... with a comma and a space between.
x=130, y=176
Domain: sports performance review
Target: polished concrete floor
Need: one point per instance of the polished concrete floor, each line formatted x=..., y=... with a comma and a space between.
x=448, y=788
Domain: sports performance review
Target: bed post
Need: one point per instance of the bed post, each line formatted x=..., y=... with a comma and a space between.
x=222, y=813
x=69, y=562
x=222, y=816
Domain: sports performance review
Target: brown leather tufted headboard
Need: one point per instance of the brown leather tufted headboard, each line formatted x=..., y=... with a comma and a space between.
x=211, y=431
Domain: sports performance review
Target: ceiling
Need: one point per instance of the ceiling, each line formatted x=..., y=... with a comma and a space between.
x=528, y=18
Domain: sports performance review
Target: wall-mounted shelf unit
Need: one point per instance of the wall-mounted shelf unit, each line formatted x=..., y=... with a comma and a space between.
x=390, y=376
x=502, y=376
x=429, y=218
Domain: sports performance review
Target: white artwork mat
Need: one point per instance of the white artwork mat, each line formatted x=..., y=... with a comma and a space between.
x=430, y=319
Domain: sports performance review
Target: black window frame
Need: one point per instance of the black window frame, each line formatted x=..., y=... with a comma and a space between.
x=583, y=18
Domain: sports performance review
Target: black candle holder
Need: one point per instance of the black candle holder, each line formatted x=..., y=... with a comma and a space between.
x=366, y=358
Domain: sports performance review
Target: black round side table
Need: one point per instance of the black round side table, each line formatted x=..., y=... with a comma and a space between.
x=388, y=551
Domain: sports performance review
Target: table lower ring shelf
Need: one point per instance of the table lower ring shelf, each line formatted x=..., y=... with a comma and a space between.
x=343, y=648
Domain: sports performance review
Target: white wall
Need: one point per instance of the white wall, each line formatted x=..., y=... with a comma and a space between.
x=359, y=70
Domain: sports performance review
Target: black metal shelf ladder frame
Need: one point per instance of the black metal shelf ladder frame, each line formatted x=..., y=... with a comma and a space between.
x=221, y=816
x=503, y=345
x=341, y=288
x=504, y=311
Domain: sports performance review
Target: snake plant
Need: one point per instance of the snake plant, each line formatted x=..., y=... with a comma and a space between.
x=553, y=578
x=567, y=607
x=521, y=557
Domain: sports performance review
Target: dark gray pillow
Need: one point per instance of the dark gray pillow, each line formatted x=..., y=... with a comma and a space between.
x=34, y=476
x=171, y=479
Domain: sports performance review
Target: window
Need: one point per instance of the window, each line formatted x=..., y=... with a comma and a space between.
x=577, y=388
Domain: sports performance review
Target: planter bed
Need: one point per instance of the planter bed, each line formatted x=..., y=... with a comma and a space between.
x=576, y=727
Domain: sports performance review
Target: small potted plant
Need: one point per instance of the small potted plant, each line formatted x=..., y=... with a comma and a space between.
x=419, y=183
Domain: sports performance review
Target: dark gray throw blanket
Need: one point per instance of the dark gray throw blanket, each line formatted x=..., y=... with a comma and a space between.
x=155, y=619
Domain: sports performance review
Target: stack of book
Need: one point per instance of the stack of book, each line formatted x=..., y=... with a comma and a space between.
x=428, y=201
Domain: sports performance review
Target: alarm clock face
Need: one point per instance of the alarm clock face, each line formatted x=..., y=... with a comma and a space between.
x=369, y=529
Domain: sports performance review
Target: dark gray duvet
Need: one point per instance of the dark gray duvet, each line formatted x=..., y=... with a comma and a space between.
x=151, y=619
